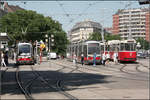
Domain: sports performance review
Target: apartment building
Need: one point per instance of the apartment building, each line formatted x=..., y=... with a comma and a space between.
x=5, y=8
x=82, y=30
x=135, y=21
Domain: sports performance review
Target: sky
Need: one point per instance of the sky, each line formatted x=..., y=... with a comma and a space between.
x=68, y=13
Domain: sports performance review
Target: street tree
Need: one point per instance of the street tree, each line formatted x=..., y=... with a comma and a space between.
x=31, y=26
x=97, y=36
x=144, y=44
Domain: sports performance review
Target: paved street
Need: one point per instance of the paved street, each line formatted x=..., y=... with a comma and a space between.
x=56, y=79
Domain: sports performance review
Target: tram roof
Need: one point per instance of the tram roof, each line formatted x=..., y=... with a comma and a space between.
x=113, y=42
x=92, y=42
x=24, y=43
x=128, y=41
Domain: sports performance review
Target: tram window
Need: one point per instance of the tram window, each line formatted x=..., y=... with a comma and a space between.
x=107, y=47
x=93, y=49
x=80, y=49
x=85, y=51
x=130, y=47
x=127, y=47
x=122, y=47
x=102, y=48
x=76, y=49
x=24, y=49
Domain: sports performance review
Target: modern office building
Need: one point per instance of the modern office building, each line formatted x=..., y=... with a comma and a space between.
x=135, y=21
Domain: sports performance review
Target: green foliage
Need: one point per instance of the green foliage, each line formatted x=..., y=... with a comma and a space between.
x=28, y=25
x=97, y=36
x=144, y=44
x=112, y=37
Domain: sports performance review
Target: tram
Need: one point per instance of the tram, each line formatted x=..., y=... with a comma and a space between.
x=24, y=53
x=88, y=48
x=125, y=49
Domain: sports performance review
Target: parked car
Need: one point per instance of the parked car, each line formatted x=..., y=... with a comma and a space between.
x=51, y=55
x=141, y=55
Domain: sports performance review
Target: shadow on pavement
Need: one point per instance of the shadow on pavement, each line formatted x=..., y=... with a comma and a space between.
x=9, y=85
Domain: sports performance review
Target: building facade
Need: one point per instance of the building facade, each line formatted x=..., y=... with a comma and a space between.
x=9, y=8
x=82, y=30
x=134, y=21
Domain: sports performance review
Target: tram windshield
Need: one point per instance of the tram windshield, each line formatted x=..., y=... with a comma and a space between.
x=128, y=46
x=24, y=49
x=93, y=48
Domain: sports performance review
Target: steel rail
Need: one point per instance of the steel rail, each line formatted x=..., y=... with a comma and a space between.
x=57, y=87
x=110, y=70
x=24, y=91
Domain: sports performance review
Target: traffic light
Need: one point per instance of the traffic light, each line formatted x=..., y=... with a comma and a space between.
x=142, y=2
x=52, y=40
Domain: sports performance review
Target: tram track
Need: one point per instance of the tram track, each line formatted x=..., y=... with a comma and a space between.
x=112, y=69
x=58, y=87
x=26, y=93
x=122, y=69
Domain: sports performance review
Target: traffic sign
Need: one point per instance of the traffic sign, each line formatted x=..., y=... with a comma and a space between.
x=42, y=45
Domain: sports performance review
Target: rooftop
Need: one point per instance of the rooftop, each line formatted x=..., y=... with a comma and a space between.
x=87, y=23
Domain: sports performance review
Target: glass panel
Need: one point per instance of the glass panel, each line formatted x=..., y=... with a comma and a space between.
x=122, y=47
x=93, y=48
x=24, y=49
x=130, y=46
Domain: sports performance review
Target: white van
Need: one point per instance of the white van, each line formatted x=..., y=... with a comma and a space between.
x=51, y=55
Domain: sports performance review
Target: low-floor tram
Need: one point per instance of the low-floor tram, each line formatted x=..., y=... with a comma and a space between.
x=88, y=48
x=24, y=53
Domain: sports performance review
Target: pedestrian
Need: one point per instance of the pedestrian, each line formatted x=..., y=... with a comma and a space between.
x=94, y=59
x=14, y=55
x=115, y=58
x=6, y=58
x=103, y=59
x=82, y=58
x=107, y=58
x=2, y=58
x=74, y=59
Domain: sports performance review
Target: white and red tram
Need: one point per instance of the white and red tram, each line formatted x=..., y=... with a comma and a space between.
x=126, y=49
x=88, y=48
x=24, y=53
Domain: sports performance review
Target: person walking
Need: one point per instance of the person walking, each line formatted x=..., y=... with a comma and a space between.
x=6, y=58
x=74, y=59
x=115, y=58
x=0, y=57
x=82, y=58
x=94, y=59
x=3, y=61
x=107, y=58
x=103, y=59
